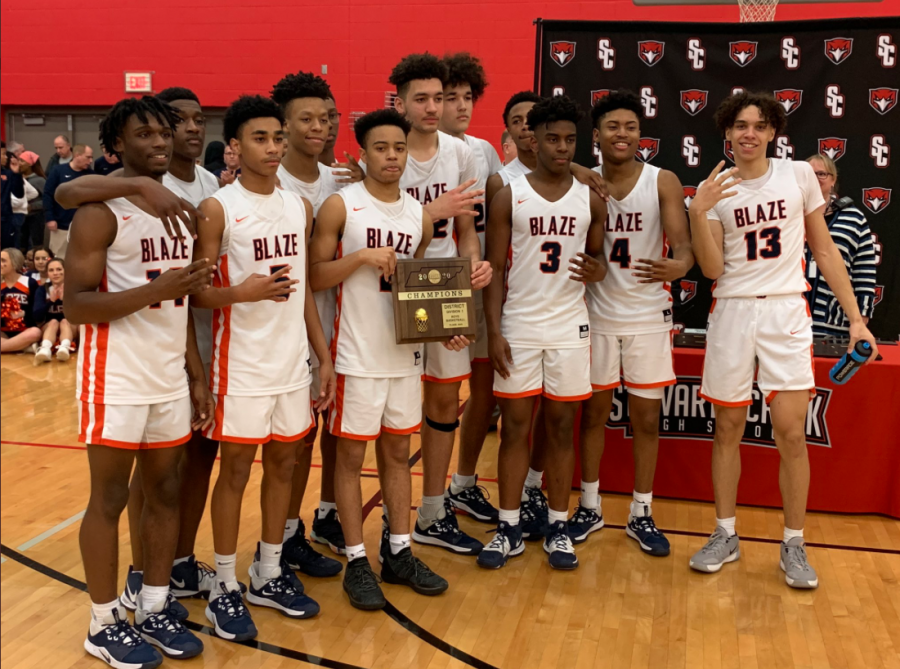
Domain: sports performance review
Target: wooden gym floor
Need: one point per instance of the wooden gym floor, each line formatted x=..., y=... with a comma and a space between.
x=620, y=609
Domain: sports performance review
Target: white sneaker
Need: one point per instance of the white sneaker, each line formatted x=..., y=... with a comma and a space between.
x=43, y=355
x=63, y=353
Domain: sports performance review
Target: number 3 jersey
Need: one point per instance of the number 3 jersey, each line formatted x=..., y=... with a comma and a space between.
x=765, y=229
x=260, y=348
x=544, y=308
x=138, y=359
x=619, y=305
x=364, y=341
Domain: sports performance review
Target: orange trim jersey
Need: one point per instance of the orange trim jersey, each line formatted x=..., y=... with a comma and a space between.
x=544, y=308
x=364, y=341
x=765, y=230
x=619, y=305
x=138, y=359
x=260, y=348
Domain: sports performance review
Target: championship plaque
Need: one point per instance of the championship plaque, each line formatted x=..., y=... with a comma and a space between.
x=433, y=300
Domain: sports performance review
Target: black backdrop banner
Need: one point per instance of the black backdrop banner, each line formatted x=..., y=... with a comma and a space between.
x=838, y=81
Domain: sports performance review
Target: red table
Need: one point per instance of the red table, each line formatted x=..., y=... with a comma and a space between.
x=853, y=432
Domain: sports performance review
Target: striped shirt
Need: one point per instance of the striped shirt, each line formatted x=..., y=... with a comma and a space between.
x=850, y=232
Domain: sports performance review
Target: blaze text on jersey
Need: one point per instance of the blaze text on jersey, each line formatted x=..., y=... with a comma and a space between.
x=763, y=213
x=564, y=227
x=155, y=249
x=276, y=246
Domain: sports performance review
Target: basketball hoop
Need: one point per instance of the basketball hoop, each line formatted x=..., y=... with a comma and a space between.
x=757, y=11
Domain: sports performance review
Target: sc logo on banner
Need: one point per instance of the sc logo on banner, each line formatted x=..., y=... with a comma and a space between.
x=834, y=101
x=790, y=53
x=606, y=54
x=649, y=102
x=696, y=54
x=690, y=150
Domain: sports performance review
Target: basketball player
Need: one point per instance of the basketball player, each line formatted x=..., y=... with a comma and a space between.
x=127, y=283
x=631, y=313
x=540, y=336
x=260, y=370
x=439, y=169
x=360, y=234
x=748, y=225
x=303, y=98
x=465, y=84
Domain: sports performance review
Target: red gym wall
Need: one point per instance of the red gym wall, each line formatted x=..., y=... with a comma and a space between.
x=61, y=53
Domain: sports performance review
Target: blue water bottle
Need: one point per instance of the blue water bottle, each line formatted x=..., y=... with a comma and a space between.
x=850, y=362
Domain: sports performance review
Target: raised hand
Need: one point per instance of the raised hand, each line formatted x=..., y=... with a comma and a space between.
x=457, y=202
x=714, y=189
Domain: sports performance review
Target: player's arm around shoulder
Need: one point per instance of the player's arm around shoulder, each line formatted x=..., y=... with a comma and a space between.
x=427, y=235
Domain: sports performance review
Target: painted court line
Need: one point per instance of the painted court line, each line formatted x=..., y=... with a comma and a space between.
x=31, y=543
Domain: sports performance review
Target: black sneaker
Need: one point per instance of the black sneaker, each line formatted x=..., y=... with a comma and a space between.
x=534, y=512
x=406, y=569
x=361, y=585
x=301, y=556
x=445, y=532
x=473, y=501
x=384, y=545
x=327, y=530
x=583, y=522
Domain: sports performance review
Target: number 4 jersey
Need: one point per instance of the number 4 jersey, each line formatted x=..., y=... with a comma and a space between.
x=544, y=308
x=764, y=231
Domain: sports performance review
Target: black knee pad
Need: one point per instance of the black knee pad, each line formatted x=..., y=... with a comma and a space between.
x=442, y=427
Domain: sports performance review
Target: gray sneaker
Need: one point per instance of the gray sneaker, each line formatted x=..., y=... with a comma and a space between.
x=797, y=572
x=718, y=550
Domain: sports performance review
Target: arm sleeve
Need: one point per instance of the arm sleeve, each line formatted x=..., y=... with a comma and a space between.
x=49, y=193
x=809, y=185
x=862, y=270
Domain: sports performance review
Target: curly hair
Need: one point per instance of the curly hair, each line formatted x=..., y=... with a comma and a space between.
x=113, y=124
x=464, y=68
x=620, y=99
x=177, y=93
x=517, y=98
x=300, y=85
x=769, y=109
x=376, y=119
x=248, y=107
x=551, y=110
x=417, y=66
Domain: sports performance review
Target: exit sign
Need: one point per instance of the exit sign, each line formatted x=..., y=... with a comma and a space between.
x=138, y=82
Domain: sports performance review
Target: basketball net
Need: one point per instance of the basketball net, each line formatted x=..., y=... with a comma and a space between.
x=756, y=11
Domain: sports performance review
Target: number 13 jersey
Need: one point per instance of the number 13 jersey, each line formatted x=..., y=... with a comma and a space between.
x=544, y=308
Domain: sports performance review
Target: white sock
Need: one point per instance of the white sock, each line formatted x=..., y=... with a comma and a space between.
x=509, y=517
x=727, y=524
x=790, y=534
x=290, y=528
x=641, y=504
x=458, y=483
x=151, y=596
x=225, y=573
x=269, y=560
x=399, y=542
x=534, y=479
x=354, y=552
x=431, y=508
x=557, y=516
x=46, y=344
x=65, y=343
x=100, y=611
x=325, y=507
x=589, y=497
x=178, y=561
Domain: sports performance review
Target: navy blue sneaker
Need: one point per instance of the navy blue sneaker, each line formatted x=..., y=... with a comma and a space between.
x=192, y=579
x=558, y=546
x=327, y=530
x=301, y=556
x=230, y=617
x=278, y=593
x=445, y=532
x=133, y=584
x=643, y=530
x=507, y=543
x=473, y=501
x=533, y=513
x=286, y=571
x=583, y=522
x=159, y=628
x=119, y=645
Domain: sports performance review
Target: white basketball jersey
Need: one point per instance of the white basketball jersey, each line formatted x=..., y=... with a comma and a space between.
x=544, y=308
x=619, y=305
x=364, y=342
x=325, y=186
x=765, y=230
x=260, y=348
x=138, y=359
x=488, y=164
x=514, y=170
x=452, y=165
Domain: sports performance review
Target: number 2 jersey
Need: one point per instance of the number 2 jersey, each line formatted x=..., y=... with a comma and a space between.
x=364, y=341
x=544, y=308
x=138, y=359
x=260, y=348
x=765, y=228
x=619, y=305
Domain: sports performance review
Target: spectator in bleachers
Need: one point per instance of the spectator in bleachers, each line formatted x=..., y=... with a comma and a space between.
x=20, y=204
x=33, y=229
x=42, y=257
x=56, y=327
x=12, y=184
x=232, y=169
x=16, y=148
x=22, y=304
x=108, y=162
x=508, y=146
x=58, y=219
x=63, y=153
x=850, y=232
